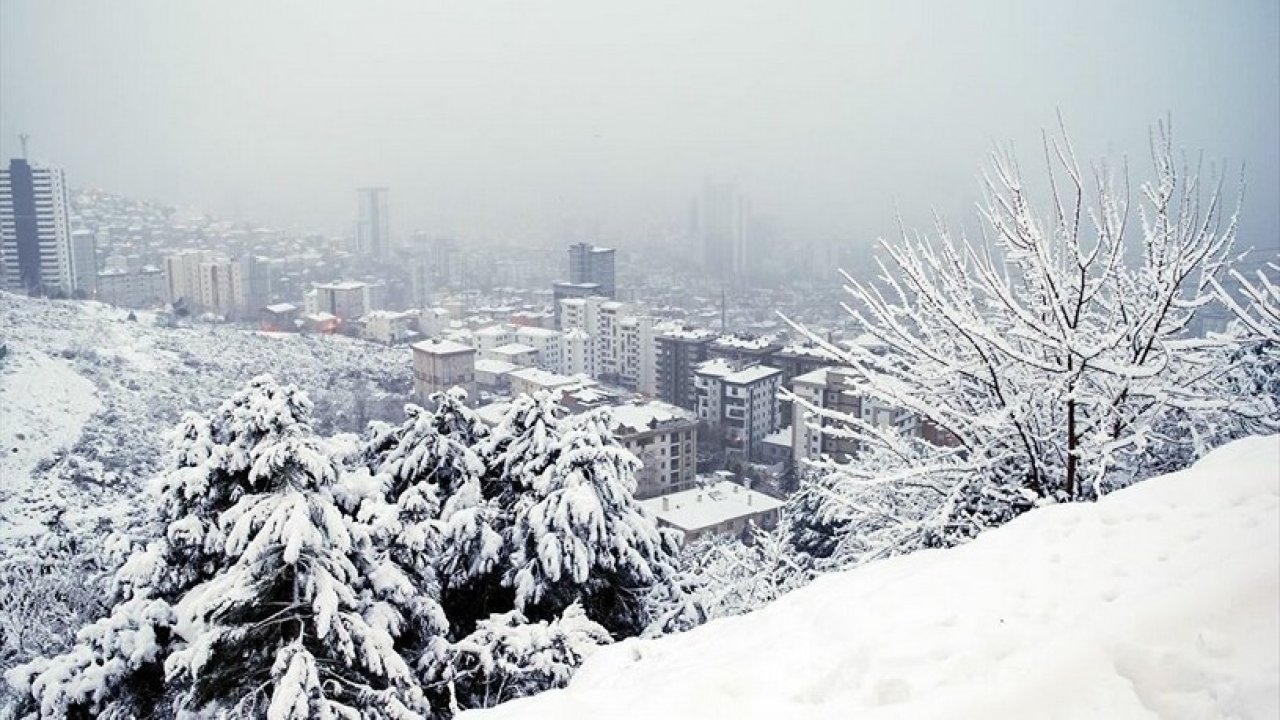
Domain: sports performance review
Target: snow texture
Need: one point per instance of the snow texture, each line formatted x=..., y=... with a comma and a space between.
x=1159, y=600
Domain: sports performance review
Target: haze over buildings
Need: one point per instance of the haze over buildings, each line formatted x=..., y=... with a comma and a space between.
x=512, y=120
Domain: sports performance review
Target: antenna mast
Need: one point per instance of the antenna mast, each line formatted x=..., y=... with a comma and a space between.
x=22, y=138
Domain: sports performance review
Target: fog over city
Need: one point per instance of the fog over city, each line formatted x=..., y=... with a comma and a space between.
x=480, y=360
x=548, y=121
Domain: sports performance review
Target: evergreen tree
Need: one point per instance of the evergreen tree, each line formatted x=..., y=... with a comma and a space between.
x=584, y=538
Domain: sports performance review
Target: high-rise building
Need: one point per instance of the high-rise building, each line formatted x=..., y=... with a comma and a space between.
x=373, y=229
x=723, y=222
x=182, y=275
x=84, y=256
x=35, y=237
x=591, y=264
x=743, y=402
x=679, y=351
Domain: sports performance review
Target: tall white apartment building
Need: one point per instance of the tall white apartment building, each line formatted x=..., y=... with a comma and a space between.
x=637, y=354
x=182, y=276
x=35, y=236
x=546, y=342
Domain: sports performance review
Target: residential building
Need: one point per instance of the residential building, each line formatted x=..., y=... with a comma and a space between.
x=346, y=300
x=665, y=439
x=389, y=327
x=679, y=351
x=442, y=364
x=589, y=264
x=493, y=376
x=182, y=276
x=576, y=352
x=84, y=256
x=135, y=289
x=563, y=291
x=637, y=354
x=743, y=349
x=744, y=403
x=35, y=238
x=545, y=342
x=724, y=508
x=722, y=223
x=281, y=317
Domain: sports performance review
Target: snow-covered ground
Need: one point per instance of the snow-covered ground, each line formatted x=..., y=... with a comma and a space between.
x=1161, y=600
x=93, y=395
x=44, y=405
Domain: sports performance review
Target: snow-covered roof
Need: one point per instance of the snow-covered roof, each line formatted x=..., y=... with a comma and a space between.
x=345, y=285
x=279, y=308
x=321, y=317
x=699, y=508
x=744, y=343
x=495, y=367
x=815, y=377
x=494, y=331
x=543, y=378
x=493, y=413
x=716, y=367
x=755, y=373
x=779, y=437
x=640, y=417
x=680, y=333
x=812, y=351
x=514, y=349
x=536, y=332
x=440, y=346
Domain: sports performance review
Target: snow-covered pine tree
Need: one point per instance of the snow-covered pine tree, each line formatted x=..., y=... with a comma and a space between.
x=285, y=631
x=249, y=488
x=584, y=539
x=507, y=657
x=478, y=516
x=1034, y=364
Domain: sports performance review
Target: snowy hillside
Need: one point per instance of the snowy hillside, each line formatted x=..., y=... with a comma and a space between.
x=1158, y=601
x=87, y=397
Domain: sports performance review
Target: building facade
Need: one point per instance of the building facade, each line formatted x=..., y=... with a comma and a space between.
x=36, y=257
x=442, y=364
x=665, y=439
x=744, y=403
x=678, y=353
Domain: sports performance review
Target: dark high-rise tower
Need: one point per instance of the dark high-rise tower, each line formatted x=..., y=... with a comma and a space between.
x=373, y=228
x=35, y=236
x=589, y=264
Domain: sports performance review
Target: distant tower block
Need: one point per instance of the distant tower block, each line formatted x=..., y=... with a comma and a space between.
x=373, y=228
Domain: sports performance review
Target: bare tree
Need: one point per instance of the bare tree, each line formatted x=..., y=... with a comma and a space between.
x=1046, y=355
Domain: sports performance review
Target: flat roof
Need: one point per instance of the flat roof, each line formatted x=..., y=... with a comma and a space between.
x=755, y=373
x=440, y=346
x=699, y=508
x=815, y=377
x=641, y=417
x=497, y=367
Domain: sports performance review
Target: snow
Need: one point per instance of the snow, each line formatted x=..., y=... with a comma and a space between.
x=438, y=346
x=44, y=406
x=755, y=373
x=816, y=377
x=634, y=418
x=699, y=508
x=1160, y=600
x=495, y=367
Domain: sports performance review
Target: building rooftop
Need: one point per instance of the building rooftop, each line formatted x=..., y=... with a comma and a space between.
x=544, y=378
x=345, y=285
x=739, y=342
x=514, y=349
x=694, y=334
x=755, y=373
x=493, y=331
x=496, y=367
x=281, y=308
x=779, y=437
x=440, y=346
x=640, y=417
x=816, y=377
x=716, y=367
x=700, y=508
x=537, y=332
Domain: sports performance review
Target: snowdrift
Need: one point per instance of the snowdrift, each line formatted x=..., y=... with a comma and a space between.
x=1162, y=600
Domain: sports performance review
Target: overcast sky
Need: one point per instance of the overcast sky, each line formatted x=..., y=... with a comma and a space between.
x=490, y=118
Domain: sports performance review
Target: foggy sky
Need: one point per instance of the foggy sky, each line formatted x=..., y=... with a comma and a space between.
x=513, y=118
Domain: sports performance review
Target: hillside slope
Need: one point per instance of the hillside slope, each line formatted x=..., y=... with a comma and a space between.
x=1161, y=600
